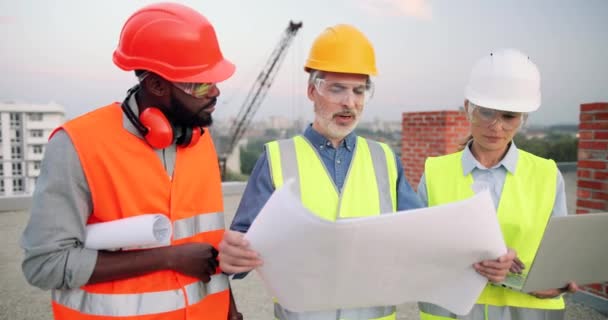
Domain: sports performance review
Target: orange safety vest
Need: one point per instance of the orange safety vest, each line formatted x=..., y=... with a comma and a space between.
x=126, y=178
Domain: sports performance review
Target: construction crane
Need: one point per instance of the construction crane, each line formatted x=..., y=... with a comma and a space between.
x=257, y=93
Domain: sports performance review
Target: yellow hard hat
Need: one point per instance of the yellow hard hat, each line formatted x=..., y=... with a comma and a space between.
x=342, y=48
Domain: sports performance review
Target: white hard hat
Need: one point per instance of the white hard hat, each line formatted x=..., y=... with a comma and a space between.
x=505, y=80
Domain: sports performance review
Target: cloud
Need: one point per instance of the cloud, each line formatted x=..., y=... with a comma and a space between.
x=8, y=20
x=420, y=9
x=63, y=73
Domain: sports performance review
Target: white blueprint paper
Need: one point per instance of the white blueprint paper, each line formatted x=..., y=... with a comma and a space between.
x=137, y=232
x=418, y=255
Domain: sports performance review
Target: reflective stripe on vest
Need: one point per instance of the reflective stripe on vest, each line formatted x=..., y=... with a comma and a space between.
x=383, y=181
x=524, y=209
x=429, y=311
x=369, y=189
x=133, y=304
x=346, y=314
x=192, y=226
x=486, y=312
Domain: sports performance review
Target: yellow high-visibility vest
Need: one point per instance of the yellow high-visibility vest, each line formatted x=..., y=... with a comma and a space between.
x=524, y=210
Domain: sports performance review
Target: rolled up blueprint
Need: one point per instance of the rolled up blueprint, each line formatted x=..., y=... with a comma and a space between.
x=138, y=232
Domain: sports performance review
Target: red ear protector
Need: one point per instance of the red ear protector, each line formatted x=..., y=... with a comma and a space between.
x=156, y=128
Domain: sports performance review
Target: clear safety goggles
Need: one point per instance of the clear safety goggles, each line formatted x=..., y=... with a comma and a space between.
x=488, y=117
x=338, y=92
x=197, y=90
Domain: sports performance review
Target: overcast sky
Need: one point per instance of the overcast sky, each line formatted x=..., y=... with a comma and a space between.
x=61, y=50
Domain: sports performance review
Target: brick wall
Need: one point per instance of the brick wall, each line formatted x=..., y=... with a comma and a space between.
x=592, y=168
x=428, y=134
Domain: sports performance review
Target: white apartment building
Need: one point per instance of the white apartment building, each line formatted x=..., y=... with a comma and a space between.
x=24, y=132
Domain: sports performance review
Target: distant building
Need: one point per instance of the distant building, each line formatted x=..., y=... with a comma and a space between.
x=233, y=163
x=540, y=132
x=279, y=122
x=534, y=134
x=382, y=125
x=24, y=132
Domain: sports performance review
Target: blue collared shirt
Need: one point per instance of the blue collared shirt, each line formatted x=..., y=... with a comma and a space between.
x=493, y=178
x=337, y=161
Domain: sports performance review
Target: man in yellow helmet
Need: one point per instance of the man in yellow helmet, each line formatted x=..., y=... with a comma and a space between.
x=338, y=174
x=334, y=169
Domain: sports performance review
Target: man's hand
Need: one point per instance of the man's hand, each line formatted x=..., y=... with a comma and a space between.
x=235, y=255
x=496, y=270
x=196, y=259
x=552, y=293
x=192, y=259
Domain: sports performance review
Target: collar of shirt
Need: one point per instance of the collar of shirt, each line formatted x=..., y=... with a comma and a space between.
x=509, y=161
x=318, y=140
x=126, y=123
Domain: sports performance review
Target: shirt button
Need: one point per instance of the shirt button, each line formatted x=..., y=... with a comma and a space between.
x=321, y=147
x=338, y=161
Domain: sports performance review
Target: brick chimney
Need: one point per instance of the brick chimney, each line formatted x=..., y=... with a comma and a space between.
x=428, y=134
x=592, y=168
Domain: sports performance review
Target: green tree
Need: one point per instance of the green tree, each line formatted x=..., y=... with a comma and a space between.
x=557, y=146
x=248, y=159
x=564, y=149
x=250, y=154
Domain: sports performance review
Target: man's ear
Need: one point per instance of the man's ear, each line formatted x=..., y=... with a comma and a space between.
x=310, y=92
x=156, y=85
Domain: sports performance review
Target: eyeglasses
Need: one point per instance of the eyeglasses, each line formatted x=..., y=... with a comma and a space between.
x=488, y=117
x=197, y=90
x=337, y=92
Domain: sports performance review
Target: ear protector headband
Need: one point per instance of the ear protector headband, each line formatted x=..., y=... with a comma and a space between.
x=156, y=128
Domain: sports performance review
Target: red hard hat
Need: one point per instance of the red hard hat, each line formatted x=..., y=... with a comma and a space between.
x=173, y=41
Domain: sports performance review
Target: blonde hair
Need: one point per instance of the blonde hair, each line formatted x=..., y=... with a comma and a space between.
x=464, y=142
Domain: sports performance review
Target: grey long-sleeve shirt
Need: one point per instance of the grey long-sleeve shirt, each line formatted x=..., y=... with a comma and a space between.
x=53, y=238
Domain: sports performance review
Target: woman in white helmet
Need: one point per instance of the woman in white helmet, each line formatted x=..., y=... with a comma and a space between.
x=527, y=190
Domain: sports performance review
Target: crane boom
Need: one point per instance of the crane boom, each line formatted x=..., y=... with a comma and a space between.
x=258, y=92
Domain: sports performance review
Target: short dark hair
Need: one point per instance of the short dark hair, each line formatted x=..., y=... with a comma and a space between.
x=139, y=72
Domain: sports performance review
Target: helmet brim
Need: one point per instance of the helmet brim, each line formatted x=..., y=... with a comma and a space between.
x=218, y=73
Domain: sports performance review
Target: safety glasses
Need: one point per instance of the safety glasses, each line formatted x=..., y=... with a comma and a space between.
x=197, y=90
x=488, y=117
x=338, y=92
